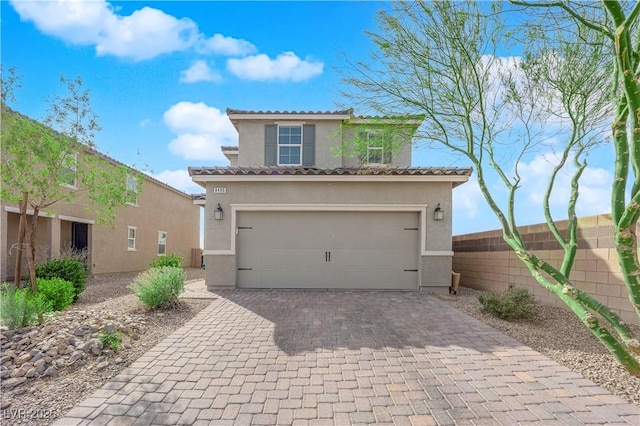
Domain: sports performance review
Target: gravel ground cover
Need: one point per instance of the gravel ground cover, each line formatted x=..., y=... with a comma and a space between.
x=558, y=334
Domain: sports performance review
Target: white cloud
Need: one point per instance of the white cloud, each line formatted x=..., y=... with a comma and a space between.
x=144, y=34
x=178, y=179
x=199, y=71
x=146, y=123
x=594, y=191
x=201, y=130
x=467, y=198
x=73, y=21
x=222, y=45
x=285, y=67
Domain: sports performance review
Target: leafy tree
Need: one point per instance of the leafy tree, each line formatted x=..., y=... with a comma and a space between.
x=440, y=59
x=46, y=163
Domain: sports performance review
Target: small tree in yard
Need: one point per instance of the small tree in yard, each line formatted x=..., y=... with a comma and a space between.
x=45, y=164
x=440, y=60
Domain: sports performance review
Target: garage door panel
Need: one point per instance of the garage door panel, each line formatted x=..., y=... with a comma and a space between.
x=351, y=250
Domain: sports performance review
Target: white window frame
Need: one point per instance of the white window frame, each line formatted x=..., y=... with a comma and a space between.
x=133, y=189
x=73, y=169
x=290, y=145
x=374, y=137
x=160, y=233
x=129, y=239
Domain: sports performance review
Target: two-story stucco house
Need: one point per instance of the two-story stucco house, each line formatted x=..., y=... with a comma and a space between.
x=294, y=211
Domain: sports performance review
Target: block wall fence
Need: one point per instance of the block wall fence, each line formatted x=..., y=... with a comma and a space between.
x=488, y=264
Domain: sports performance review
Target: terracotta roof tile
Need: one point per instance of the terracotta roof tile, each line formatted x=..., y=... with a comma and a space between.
x=348, y=171
x=338, y=112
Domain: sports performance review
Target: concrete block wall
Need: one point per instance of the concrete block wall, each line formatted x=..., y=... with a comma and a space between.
x=487, y=263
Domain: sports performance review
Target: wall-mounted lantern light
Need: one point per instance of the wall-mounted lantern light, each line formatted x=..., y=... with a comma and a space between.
x=438, y=213
x=217, y=214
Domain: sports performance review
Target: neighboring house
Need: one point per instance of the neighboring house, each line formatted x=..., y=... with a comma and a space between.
x=159, y=219
x=299, y=208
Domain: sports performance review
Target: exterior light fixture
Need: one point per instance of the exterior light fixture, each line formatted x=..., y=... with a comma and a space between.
x=217, y=213
x=438, y=213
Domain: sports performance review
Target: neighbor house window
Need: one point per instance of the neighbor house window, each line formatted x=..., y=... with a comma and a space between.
x=162, y=243
x=69, y=170
x=289, y=145
x=132, y=231
x=132, y=190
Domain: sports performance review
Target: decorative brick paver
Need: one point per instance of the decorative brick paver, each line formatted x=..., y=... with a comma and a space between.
x=331, y=357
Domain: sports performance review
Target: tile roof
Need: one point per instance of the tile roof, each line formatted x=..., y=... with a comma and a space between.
x=93, y=151
x=346, y=171
x=199, y=197
x=229, y=148
x=338, y=112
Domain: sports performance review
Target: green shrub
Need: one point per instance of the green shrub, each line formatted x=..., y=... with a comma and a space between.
x=59, y=292
x=158, y=287
x=20, y=307
x=67, y=269
x=516, y=303
x=111, y=339
x=171, y=259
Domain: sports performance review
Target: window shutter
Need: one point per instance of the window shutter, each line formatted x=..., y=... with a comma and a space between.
x=309, y=145
x=270, y=145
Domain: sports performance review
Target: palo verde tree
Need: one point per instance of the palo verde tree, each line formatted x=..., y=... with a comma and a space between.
x=47, y=163
x=441, y=60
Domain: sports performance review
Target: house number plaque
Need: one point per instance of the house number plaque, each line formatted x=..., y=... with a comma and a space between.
x=219, y=190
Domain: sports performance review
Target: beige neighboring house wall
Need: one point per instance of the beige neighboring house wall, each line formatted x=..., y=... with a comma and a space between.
x=488, y=264
x=159, y=208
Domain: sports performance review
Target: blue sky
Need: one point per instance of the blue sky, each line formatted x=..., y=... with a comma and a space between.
x=162, y=73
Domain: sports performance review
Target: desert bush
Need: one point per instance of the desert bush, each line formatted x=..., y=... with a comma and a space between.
x=66, y=269
x=158, y=287
x=59, y=293
x=20, y=307
x=171, y=259
x=516, y=303
x=111, y=339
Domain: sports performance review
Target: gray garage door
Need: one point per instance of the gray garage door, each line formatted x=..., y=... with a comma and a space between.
x=349, y=250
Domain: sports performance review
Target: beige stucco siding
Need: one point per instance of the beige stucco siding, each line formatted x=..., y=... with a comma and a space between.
x=252, y=135
x=159, y=209
x=400, y=158
x=220, y=236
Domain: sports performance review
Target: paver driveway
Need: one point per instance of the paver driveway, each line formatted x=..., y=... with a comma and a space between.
x=316, y=357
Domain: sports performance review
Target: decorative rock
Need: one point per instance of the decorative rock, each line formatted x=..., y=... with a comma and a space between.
x=5, y=374
x=79, y=332
x=20, y=372
x=23, y=358
x=51, y=372
x=31, y=373
x=102, y=365
x=110, y=328
x=13, y=382
x=75, y=356
x=119, y=360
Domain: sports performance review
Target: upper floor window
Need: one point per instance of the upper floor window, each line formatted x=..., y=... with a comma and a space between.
x=69, y=170
x=132, y=190
x=289, y=145
x=378, y=151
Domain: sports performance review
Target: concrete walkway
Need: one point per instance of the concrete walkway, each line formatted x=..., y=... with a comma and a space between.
x=338, y=358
